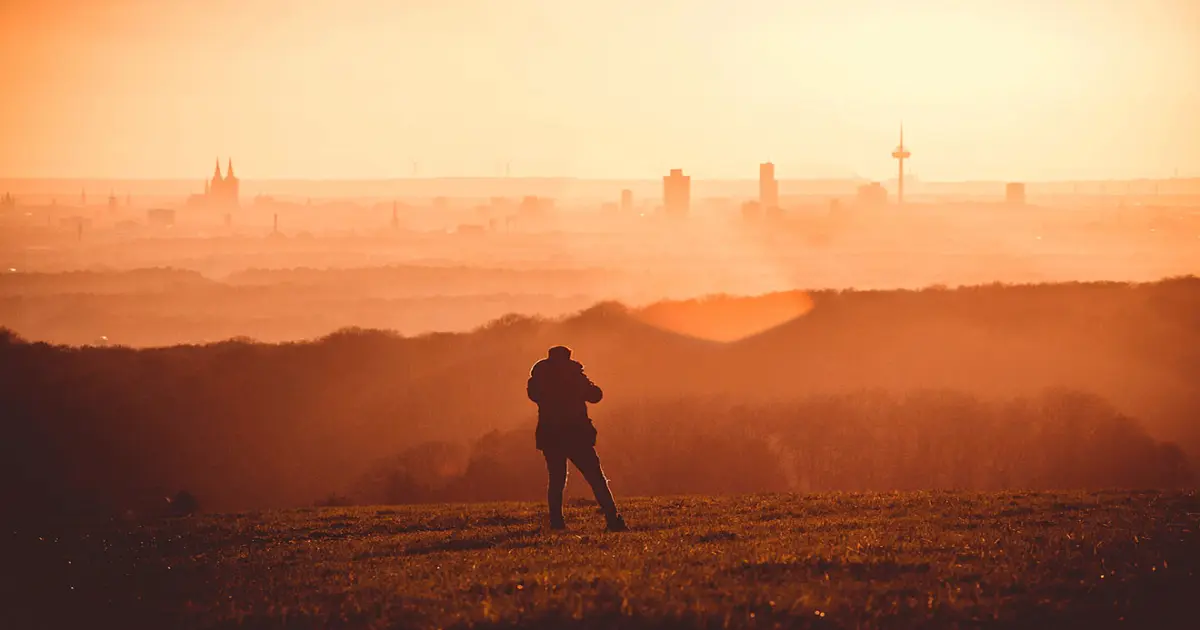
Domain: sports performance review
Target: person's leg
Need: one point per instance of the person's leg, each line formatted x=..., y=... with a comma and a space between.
x=556, y=467
x=588, y=463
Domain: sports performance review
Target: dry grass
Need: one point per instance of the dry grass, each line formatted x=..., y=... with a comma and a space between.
x=927, y=559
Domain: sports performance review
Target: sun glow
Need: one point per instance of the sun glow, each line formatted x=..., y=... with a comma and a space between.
x=364, y=88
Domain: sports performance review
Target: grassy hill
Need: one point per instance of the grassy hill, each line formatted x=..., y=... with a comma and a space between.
x=961, y=377
x=920, y=559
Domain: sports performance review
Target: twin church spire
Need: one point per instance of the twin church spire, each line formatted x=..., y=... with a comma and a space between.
x=222, y=190
x=217, y=172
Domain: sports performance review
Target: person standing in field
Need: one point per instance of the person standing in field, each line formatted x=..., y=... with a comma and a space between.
x=565, y=432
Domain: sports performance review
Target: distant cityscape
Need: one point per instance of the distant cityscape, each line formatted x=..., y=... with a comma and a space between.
x=568, y=243
x=221, y=193
x=221, y=199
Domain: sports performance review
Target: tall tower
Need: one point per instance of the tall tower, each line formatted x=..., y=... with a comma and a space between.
x=231, y=186
x=768, y=187
x=901, y=154
x=216, y=186
x=677, y=194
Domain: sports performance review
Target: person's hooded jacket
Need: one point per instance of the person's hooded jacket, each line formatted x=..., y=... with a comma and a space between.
x=562, y=392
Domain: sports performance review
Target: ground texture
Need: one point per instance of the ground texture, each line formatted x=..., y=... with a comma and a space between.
x=939, y=559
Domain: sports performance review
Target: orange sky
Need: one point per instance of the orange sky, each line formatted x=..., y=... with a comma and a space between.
x=1012, y=89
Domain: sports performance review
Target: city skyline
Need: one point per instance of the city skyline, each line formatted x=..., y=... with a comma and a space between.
x=1021, y=90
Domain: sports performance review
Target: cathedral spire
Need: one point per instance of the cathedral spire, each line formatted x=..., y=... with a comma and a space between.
x=229, y=171
x=217, y=172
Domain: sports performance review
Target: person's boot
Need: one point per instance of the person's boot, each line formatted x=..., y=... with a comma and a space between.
x=616, y=523
x=554, y=501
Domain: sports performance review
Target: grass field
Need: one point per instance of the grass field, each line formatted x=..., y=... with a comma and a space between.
x=939, y=559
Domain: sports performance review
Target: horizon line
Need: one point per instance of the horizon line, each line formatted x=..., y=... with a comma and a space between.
x=61, y=178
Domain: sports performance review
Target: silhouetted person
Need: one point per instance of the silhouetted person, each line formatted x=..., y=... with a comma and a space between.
x=565, y=432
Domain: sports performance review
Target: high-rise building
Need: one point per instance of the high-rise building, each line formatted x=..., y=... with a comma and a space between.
x=1014, y=193
x=768, y=187
x=677, y=194
x=626, y=201
x=531, y=207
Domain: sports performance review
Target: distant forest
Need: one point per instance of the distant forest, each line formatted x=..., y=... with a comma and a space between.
x=164, y=307
x=989, y=387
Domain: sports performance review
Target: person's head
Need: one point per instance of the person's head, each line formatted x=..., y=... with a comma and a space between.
x=559, y=353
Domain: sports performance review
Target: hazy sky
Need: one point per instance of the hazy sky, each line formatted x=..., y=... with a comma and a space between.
x=1005, y=89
